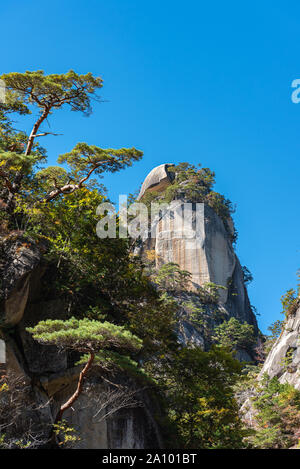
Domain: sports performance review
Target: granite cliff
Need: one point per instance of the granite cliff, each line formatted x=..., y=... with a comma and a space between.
x=51, y=374
x=203, y=247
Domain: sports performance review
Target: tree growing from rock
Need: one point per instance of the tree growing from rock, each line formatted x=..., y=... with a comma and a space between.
x=35, y=92
x=233, y=335
x=88, y=337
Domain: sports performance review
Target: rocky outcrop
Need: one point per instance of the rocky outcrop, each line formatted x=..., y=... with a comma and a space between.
x=196, y=238
x=283, y=360
x=49, y=373
x=157, y=180
x=20, y=258
x=2, y=351
x=202, y=245
x=125, y=428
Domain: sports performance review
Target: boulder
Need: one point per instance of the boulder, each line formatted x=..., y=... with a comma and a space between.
x=19, y=259
x=157, y=180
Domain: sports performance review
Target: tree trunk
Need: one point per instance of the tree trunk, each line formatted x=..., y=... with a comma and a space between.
x=19, y=176
x=35, y=129
x=77, y=393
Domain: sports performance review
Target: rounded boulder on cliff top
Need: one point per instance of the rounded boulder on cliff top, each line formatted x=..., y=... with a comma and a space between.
x=157, y=179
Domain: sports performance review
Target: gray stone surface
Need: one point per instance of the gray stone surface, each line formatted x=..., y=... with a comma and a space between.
x=99, y=425
x=2, y=351
x=208, y=256
x=188, y=335
x=199, y=243
x=202, y=246
x=19, y=259
x=158, y=179
x=287, y=345
x=47, y=370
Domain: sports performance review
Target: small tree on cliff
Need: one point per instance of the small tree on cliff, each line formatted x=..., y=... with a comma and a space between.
x=88, y=337
x=233, y=335
x=19, y=153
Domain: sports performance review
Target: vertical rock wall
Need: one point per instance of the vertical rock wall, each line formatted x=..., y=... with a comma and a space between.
x=50, y=374
x=283, y=360
x=197, y=240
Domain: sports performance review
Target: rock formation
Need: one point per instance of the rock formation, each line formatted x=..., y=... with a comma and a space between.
x=50, y=373
x=157, y=180
x=195, y=237
x=208, y=255
x=283, y=360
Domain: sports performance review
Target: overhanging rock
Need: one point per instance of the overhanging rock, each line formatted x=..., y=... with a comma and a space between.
x=157, y=180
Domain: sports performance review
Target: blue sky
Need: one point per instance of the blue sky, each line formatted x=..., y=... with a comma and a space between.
x=192, y=81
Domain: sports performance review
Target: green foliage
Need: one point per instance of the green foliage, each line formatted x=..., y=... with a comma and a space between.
x=17, y=443
x=288, y=358
x=19, y=153
x=278, y=415
x=83, y=158
x=200, y=308
x=99, y=277
x=52, y=91
x=233, y=334
x=199, y=400
x=2, y=441
x=84, y=335
x=66, y=435
x=154, y=322
x=170, y=277
x=111, y=362
x=248, y=277
x=194, y=184
x=209, y=292
x=290, y=302
x=275, y=328
x=50, y=177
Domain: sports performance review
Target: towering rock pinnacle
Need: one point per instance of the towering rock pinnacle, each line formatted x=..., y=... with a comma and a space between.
x=207, y=253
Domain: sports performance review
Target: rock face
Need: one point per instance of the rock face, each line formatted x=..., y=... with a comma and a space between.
x=50, y=373
x=2, y=352
x=202, y=246
x=157, y=179
x=195, y=237
x=283, y=360
x=20, y=260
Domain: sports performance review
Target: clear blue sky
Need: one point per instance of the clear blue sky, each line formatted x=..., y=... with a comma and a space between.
x=193, y=81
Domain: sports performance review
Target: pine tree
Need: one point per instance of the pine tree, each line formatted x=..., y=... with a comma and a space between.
x=88, y=337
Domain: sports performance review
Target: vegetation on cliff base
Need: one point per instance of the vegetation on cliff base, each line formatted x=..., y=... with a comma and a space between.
x=199, y=400
x=276, y=414
x=234, y=335
x=115, y=304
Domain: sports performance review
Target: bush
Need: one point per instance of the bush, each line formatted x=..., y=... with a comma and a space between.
x=233, y=335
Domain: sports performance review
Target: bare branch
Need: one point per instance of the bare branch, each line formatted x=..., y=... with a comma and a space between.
x=43, y=134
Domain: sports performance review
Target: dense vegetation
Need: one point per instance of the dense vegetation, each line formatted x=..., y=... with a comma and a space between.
x=121, y=312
